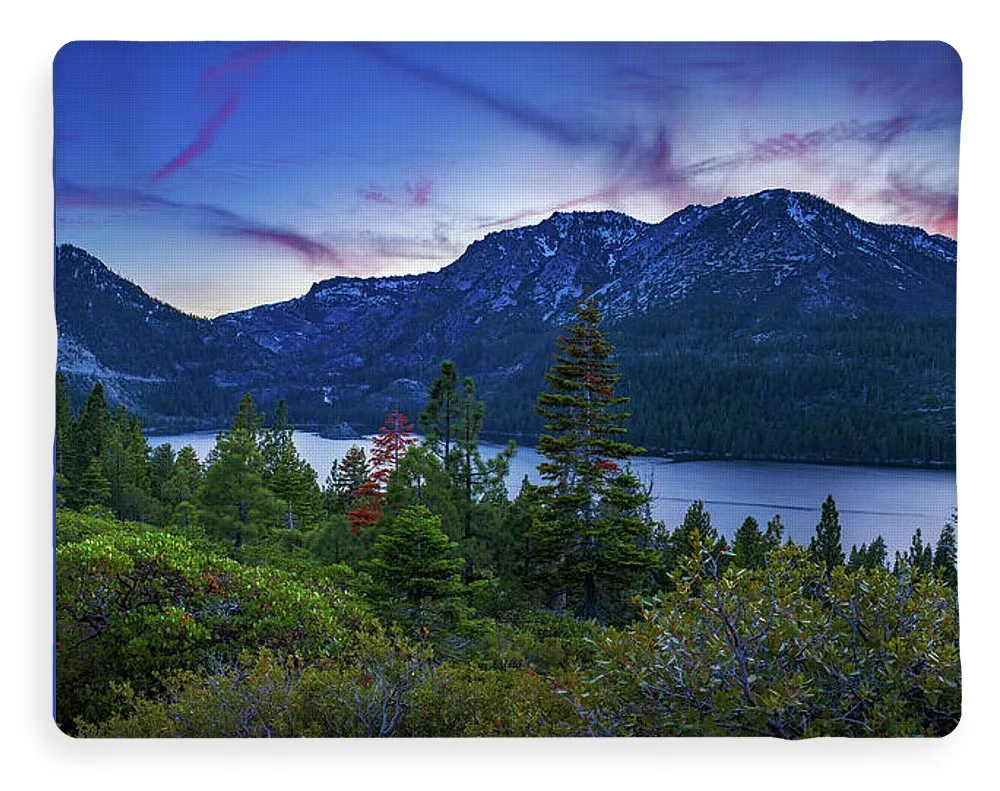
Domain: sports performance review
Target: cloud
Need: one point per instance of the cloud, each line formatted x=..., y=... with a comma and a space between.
x=206, y=135
x=221, y=75
x=240, y=64
x=650, y=165
x=420, y=192
x=566, y=133
x=206, y=217
x=933, y=209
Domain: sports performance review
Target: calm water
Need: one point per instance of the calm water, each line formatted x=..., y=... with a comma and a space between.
x=872, y=501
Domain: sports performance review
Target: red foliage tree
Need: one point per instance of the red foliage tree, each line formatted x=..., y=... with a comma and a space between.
x=369, y=507
x=388, y=448
x=390, y=445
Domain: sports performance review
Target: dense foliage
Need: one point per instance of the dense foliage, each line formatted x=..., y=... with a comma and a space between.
x=239, y=598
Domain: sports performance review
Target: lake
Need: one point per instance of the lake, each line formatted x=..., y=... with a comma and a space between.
x=872, y=501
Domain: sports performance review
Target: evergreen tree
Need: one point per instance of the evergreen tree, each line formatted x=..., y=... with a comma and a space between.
x=591, y=544
x=877, y=554
x=825, y=547
x=286, y=474
x=124, y=461
x=440, y=415
x=415, y=570
x=918, y=559
x=161, y=468
x=336, y=542
x=185, y=479
x=86, y=444
x=869, y=556
x=696, y=521
x=293, y=481
x=946, y=554
x=421, y=479
x=345, y=478
x=235, y=500
x=749, y=548
x=94, y=488
x=773, y=534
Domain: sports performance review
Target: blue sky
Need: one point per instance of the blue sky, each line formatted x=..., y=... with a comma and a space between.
x=219, y=176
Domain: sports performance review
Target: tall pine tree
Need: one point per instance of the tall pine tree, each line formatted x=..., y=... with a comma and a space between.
x=440, y=415
x=591, y=544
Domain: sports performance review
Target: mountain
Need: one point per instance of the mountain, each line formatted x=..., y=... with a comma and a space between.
x=775, y=325
x=142, y=349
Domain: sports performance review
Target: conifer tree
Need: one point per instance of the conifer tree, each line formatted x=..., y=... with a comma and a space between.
x=919, y=558
x=185, y=479
x=86, y=443
x=440, y=415
x=696, y=521
x=772, y=535
x=161, y=468
x=293, y=481
x=946, y=554
x=825, y=547
x=390, y=445
x=388, y=449
x=94, y=488
x=236, y=502
x=590, y=541
x=345, y=478
x=415, y=568
x=287, y=474
x=748, y=545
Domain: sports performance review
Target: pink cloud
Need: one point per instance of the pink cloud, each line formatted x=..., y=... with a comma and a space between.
x=206, y=135
x=221, y=75
x=315, y=252
x=420, y=193
x=240, y=63
x=934, y=210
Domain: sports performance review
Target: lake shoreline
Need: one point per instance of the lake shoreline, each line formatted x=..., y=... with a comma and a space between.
x=672, y=457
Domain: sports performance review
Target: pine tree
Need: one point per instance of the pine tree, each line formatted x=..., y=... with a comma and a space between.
x=869, y=556
x=946, y=554
x=390, y=445
x=773, y=534
x=124, y=462
x=748, y=545
x=825, y=547
x=877, y=554
x=345, y=478
x=919, y=558
x=94, y=488
x=185, y=479
x=415, y=569
x=388, y=449
x=293, y=481
x=86, y=444
x=697, y=521
x=440, y=415
x=236, y=502
x=161, y=468
x=590, y=541
x=286, y=474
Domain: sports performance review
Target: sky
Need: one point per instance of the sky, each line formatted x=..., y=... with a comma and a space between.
x=219, y=176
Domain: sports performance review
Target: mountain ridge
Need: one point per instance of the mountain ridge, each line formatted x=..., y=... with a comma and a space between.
x=769, y=281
